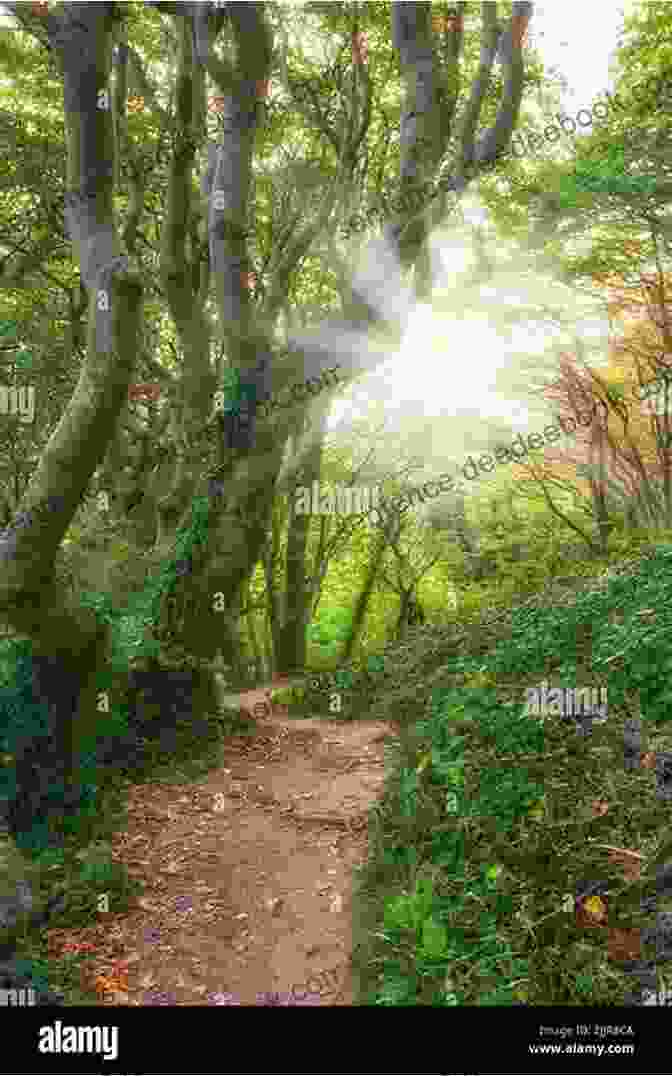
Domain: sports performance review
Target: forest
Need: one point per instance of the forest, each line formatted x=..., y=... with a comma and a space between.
x=226, y=231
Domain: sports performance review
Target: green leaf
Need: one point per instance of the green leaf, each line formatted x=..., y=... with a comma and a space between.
x=399, y=913
x=376, y=664
x=492, y=873
x=434, y=938
x=343, y=678
x=8, y=329
x=423, y=899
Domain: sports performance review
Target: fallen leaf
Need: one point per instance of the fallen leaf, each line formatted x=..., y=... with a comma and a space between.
x=630, y=864
x=624, y=944
x=624, y=851
x=103, y=985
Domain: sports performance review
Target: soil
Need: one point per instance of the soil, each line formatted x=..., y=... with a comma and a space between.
x=248, y=873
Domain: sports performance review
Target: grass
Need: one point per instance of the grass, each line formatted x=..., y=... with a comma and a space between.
x=492, y=821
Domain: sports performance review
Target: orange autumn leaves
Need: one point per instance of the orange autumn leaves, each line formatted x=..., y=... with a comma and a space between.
x=113, y=987
x=110, y=983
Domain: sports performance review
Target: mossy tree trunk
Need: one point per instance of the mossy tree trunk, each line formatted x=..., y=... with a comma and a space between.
x=69, y=643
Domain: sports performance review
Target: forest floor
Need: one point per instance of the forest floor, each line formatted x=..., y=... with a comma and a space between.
x=248, y=872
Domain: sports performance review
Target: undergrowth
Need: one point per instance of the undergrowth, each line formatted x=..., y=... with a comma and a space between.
x=492, y=823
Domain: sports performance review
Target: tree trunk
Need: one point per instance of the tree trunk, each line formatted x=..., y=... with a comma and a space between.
x=255, y=658
x=374, y=298
x=68, y=643
x=402, y=619
x=291, y=637
x=291, y=652
x=362, y=602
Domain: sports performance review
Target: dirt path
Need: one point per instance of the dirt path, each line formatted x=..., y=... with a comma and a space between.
x=249, y=872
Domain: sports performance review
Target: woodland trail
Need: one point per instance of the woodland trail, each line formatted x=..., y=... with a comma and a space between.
x=248, y=872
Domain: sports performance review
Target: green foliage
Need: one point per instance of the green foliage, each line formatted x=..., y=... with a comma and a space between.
x=132, y=628
x=415, y=913
x=331, y=630
x=604, y=174
x=97, y=875
x=8, y=332
x=493, y=805
x=458, y=914
x=24, y=719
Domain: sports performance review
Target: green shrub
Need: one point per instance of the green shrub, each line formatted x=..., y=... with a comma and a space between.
x=496, y=808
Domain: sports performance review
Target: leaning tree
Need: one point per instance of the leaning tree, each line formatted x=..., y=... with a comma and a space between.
x=237, y=47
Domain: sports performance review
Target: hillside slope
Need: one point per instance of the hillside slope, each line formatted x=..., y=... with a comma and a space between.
x=510, y=851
